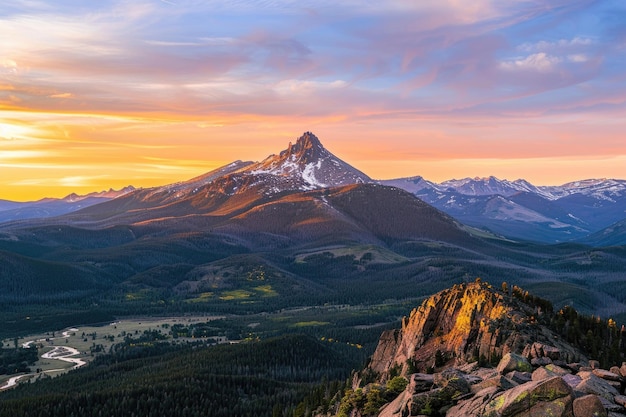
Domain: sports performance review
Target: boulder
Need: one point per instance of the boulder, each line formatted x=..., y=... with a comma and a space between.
x=594, y=385
x=589, y=406
x=557, y=369
x=473, y=379
x=499, y=381
x=548, y=397
x=513, y=362
x=622, y=369
x=542, y=361
x=475, y=406
x=552, y=352
x=608, y=375
x=616, y=370
x=420, y=383
x=574, y=367
x=451, y=378
x=452, y=386
x=572, y=380
x=593, y=364
x=432, y=401
x=519, y=377
x=542, y=373
x=611, y=406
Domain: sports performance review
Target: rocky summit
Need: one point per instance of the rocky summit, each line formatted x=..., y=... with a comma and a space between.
x=472, y=350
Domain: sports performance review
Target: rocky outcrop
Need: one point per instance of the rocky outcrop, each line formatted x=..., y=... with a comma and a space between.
x=538, y=374
x=485, y=392
x=468, y=322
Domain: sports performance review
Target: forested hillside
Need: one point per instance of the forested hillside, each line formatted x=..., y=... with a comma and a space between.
x=148, y=378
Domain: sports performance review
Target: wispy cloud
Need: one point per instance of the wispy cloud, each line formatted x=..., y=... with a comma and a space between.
x=115, y=81
x=536, y=62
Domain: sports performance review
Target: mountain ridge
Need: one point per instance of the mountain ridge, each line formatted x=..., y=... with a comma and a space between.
x=518, y=210
x=522, y=211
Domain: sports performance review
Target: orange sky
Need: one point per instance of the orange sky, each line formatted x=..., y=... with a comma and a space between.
x=108, y=95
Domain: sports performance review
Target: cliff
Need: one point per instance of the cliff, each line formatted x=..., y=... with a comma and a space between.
x=466, y=323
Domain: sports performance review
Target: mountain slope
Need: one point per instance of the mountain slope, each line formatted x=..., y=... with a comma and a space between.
x=614, y=235
x=234, y=188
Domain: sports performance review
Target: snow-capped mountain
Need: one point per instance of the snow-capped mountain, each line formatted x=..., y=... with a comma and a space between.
x=521, y=210
x=602, y=189
x=308, y=165
x=304, y=165
x=485, y=186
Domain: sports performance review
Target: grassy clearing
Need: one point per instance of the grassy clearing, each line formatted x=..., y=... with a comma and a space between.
x=310, y=323
x=235, y=295
x=201, y=298
x=266, y=291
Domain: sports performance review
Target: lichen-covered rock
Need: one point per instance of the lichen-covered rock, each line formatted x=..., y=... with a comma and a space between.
x=542, y=373
x=557, y=369
x=548, y=397
x=513, y=362
x=588, y=406
x=499, y=381
x=452, y=378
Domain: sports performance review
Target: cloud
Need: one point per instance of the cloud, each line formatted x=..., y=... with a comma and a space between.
x=561, y=44
x=540, y=61
x=8, y=66
x=577, y=58
x=61, y=95
x=21, y=154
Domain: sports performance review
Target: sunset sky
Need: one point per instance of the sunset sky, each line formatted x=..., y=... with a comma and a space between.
x=100, y=94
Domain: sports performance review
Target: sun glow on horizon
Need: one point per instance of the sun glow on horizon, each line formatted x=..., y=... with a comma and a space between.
x=110, y=94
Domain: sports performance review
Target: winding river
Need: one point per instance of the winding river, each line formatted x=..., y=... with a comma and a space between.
x=61, y=353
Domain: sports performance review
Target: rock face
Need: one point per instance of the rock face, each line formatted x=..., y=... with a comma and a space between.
x=537, y=375
x=468, y=322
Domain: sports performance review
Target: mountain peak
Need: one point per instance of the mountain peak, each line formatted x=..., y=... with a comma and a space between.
x=308, y=165
x=307, y=148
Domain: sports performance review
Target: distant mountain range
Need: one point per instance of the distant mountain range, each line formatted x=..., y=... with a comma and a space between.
x=50, y=207
x=588, y=211
x=583, y=211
